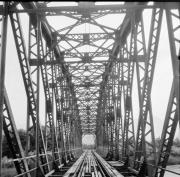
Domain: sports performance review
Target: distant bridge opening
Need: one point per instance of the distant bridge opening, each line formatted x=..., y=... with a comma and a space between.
x=89, y=141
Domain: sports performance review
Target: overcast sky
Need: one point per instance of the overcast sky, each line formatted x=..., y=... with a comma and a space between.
x=160, y=90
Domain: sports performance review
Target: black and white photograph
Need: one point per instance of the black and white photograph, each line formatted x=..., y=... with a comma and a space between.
x=89, y=89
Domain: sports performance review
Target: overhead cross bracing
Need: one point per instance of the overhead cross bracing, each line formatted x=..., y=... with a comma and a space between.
x=87, y=67
x=89, y=47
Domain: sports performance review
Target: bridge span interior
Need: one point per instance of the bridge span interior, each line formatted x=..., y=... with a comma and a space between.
x=86, y=59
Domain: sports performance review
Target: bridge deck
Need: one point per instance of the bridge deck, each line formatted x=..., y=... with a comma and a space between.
x=89, y=164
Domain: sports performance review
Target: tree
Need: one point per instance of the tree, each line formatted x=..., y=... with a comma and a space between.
x=177, y=142
x=22, y=136
x=158, y=142
x=5, y=148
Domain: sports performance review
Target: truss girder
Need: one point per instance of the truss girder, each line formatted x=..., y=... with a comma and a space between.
x=75, y=11
x=88, y=90
x=116, y=103
x=172, y=113
x=48, y=77
x=57, y=54
x=121, y=37
x=23, y=60
x=13, y=139
x=7, y=120
x=110, y=114
x=3, y=39
x=49, y=124
x=127, y=73
x=86, y=37
x=145, y=123
x=48, y=37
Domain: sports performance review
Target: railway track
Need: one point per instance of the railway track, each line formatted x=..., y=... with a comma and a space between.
x=90, y=164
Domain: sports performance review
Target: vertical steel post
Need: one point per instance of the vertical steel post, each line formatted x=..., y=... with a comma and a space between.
x=46, y=127
x=128, y=72
x=62, y=122
x=27, y=132
x=53, y=129
x=174, y=41
x=38, y=90
x=13, y=139
x=2, y=71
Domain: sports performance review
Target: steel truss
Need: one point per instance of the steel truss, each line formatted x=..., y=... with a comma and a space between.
x=3, y=39
x=30, y=85
x=127, y=74
x=145, y=124
x=172, y=114
x=13, y=139
x=85, y=94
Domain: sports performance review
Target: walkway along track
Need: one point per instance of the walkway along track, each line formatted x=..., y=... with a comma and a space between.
x=90, y=164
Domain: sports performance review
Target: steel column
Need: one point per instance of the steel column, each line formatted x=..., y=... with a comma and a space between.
x=172, y=113
x=2, y=69
x=128, y=72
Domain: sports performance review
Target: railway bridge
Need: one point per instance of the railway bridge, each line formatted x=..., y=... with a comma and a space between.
x=86, y=68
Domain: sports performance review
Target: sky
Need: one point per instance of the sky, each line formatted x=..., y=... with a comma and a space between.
x=160, y=90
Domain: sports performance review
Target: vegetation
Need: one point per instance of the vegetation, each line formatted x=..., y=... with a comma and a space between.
x=175, y=153
x=8, y=172
x=8, y=168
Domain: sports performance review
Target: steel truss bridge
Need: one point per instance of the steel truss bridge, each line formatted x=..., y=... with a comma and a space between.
x=85, y=91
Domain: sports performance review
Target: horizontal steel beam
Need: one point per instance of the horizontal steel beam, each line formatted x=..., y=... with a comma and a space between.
x=96, y=9
x=86, y=37
x=123, y=82
x=34, y=62
x=86, y=55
